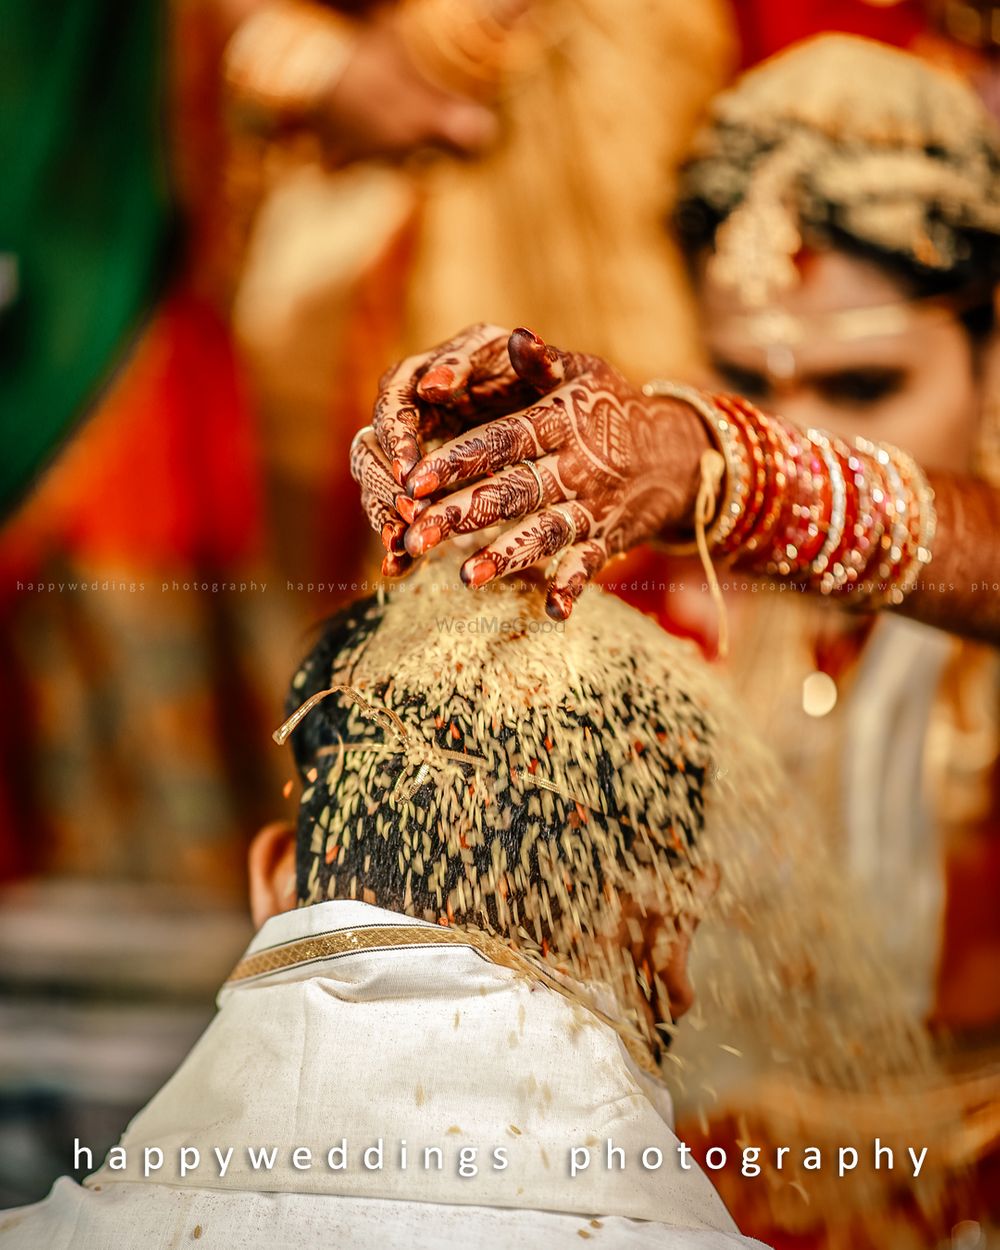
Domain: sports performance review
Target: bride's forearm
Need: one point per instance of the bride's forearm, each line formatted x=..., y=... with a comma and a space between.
x=960, y=588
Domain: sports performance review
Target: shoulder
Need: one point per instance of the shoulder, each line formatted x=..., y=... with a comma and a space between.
x=40, y=1223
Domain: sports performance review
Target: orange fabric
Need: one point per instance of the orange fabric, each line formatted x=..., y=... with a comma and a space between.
x=162, y=477
x=164, y=474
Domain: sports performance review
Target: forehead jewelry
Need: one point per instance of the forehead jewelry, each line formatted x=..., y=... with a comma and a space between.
x=776, y=328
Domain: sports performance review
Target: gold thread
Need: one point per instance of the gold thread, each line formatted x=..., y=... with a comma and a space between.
x=713, y=468
x=381, y=716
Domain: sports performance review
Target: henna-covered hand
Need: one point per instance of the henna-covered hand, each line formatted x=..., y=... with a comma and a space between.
x=585, y=465
x=465, y=381
x=372, y=472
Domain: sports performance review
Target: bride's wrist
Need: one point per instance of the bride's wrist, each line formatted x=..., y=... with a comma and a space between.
x=690, y=433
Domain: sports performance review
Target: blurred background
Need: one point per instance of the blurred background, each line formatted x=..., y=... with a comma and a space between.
x=222, y=220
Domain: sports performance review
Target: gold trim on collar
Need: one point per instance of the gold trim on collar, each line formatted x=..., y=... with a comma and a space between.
x=367, y=938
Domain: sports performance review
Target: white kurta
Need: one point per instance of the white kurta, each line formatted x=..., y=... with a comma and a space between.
x=424, y=1048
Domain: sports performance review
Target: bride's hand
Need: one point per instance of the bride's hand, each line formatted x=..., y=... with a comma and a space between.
x=463, y=382
x=583, y=463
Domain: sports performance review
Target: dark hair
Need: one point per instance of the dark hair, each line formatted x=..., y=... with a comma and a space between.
x=388, y=842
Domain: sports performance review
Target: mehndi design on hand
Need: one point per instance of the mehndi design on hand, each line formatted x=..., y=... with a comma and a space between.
x=584, y=464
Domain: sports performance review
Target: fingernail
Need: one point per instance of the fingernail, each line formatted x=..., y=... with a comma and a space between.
x=409, y=509
x=398, y=471
x=534, y=360
x=477, y=572
x=436, y=384
x=425, y=483
x=558, y=605
x=419, y=541
x=393, y=534
x=394, y=566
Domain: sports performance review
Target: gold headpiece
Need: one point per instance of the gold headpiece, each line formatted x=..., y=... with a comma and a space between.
x=845, y=134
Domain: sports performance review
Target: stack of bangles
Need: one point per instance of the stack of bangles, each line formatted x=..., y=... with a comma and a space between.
x=849, y=520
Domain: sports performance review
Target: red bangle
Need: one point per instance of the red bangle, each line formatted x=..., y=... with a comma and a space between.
x=804, y=505
x=805, y=510
x=757, y=462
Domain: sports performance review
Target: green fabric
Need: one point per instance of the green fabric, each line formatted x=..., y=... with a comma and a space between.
x=84, y=209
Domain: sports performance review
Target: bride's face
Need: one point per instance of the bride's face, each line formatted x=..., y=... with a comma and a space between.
x=916, y=384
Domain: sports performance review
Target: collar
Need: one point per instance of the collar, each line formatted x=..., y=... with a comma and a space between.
x=310, y=939
x=302, y=943
x=346, y=1023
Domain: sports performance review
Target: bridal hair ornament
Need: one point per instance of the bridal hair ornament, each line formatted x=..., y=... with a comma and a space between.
x=793, y=154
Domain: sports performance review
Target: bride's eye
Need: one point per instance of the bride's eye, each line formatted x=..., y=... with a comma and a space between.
x=749, y=383
x=860, y=388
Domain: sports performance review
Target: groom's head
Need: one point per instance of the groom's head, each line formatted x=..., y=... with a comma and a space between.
x=477, y=764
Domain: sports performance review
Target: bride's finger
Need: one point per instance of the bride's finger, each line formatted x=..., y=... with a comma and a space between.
x=535, y=538
x=489, y=448
x=470, y=375
x=469, y=370
x=395, y=565
x=506, y=496
x=576, y=567
x=371, y=471
x=541, y=364
x=396, y=416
